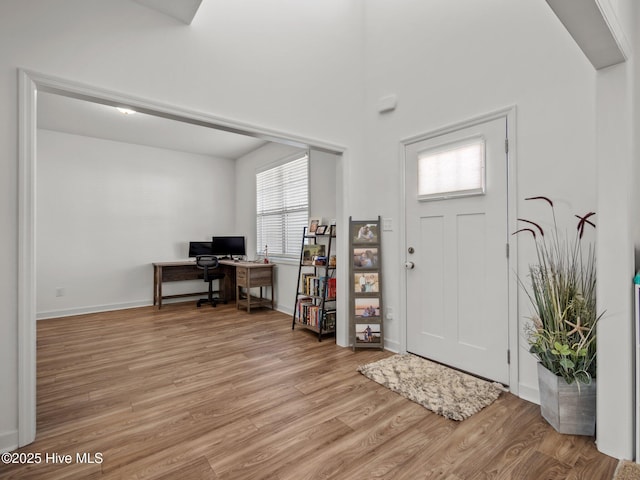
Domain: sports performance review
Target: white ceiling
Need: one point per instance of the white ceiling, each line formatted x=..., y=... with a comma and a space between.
x=183, y=10
x=80, y=117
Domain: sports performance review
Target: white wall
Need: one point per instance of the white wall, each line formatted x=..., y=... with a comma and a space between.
x=449, y=64
x=107, y=210
x=322, y=200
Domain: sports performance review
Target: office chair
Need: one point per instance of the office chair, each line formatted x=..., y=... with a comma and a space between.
x=208, y=263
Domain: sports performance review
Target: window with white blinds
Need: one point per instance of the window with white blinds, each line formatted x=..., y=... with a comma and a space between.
x=282, y=207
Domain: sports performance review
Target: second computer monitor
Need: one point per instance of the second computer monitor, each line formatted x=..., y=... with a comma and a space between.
x=228, y=246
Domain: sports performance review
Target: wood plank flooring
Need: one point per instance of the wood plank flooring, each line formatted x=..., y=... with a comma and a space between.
x=214, y=393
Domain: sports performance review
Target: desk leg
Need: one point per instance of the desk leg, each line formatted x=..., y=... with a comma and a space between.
x=248, y=300
x=158, y=290
x=155, y=285
x=272, y=303
x=272, y=289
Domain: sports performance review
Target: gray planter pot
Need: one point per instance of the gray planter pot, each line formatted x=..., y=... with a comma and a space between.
x=566, y=407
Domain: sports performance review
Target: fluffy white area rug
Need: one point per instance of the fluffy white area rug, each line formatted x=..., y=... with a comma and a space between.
x=447, y=392
x=627, y=471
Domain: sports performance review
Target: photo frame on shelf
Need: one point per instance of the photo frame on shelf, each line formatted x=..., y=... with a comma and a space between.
x=311, y=251
x=314, y=223
x=332, y=229
x=367, y=307
x=365, y=257
x=365, y=232
x=369, y=333
x=366, y=282
x=321, y=229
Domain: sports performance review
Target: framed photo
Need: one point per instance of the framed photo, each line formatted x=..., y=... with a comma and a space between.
x=332, y=229
x=365, y=232
x=368, y=307
x=314, y=222
x=365, y=257
x=366, y=282
x=311, y=252
x=321, y=229
x=368, y=333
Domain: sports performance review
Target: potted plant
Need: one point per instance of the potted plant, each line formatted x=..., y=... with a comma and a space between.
x=562, y=335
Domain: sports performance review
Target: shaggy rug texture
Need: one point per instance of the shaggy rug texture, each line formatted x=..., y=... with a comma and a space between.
x=627, y=471
x=442, y=390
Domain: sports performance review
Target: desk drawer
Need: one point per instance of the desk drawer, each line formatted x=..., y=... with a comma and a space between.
x=255, y=277
x=182, y=272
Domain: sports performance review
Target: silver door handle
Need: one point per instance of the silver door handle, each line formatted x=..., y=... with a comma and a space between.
x=409, y=265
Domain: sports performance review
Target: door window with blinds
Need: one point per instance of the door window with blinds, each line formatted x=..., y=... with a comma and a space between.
x=452, y=170
x=282, y=206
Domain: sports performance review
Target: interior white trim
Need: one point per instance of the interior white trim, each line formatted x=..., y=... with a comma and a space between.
x=68, y=88
x=29, y=83
x=595, y=28
x=99, y=308
x=27, y=120
x=509, y=113
x=8, y=441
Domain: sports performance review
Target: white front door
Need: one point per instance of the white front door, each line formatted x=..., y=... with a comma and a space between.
x=456, y=249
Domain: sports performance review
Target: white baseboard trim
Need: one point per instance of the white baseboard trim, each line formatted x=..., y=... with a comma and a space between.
x=284, y=309
x=8, y=441
x=93, y=309
x=392, y=345
x=123, y=306
x=531, y=394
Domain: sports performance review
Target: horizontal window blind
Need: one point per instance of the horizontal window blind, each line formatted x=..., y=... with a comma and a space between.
x=282, y=207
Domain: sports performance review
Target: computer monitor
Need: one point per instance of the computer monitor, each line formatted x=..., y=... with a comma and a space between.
x=228, y=246
x=199, y=248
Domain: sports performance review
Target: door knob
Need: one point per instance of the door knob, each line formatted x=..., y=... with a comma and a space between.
x=409, y=265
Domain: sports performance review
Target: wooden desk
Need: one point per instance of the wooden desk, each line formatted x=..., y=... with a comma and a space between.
x=238, y=276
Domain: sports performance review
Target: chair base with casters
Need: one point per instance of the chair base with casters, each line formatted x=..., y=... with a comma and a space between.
x=209, y=263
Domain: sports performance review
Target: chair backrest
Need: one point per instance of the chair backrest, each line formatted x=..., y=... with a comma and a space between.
x=206, y=263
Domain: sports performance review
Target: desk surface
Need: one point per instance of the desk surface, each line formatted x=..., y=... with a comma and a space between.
x=232, y=263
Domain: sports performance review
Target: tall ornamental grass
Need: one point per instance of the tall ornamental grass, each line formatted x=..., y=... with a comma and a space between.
x=563, y=294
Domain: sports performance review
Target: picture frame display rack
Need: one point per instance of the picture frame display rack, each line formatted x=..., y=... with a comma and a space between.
x=366, y=306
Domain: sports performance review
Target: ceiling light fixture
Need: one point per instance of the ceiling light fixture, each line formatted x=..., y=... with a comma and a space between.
x=126, y=111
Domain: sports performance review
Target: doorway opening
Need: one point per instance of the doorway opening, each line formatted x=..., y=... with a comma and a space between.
x=30, y=84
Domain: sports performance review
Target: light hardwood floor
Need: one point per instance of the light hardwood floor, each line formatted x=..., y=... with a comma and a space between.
x=186, y=393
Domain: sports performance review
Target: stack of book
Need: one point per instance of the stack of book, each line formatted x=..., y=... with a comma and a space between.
x=308, y=312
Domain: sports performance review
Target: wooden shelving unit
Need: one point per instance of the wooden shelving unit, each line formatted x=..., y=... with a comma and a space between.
x=315, y=305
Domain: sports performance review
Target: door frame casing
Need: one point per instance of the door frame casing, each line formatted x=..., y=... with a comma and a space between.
x=509, y=114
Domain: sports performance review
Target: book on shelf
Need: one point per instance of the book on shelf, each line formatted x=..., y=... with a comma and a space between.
x=330, y=320
x=315, y=286
x=331, y=288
